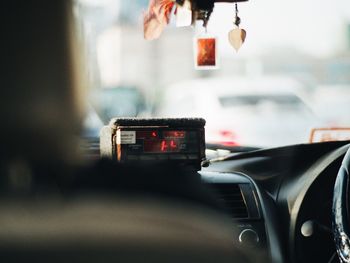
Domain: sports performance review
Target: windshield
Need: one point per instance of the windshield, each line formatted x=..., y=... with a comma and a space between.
x=290, y=76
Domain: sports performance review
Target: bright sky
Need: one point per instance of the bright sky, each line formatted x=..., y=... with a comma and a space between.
x=314, y=27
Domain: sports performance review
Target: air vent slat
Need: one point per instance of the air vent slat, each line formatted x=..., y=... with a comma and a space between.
x=231, y=197
x=90, y=147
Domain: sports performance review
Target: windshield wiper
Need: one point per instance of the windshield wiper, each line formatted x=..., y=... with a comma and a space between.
x=232, y=149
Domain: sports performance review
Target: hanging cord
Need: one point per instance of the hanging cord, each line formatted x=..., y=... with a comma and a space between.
x=206, y=20
x=237, y=19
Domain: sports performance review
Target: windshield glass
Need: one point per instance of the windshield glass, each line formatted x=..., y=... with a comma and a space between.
x=291, y=74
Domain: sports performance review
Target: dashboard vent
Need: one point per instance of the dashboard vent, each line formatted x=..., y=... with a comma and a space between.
x=90, y=148
x=231, y=197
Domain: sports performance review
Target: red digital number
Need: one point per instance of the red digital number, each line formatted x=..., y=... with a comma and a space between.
x=173, y=144
x=166, y=146
x=147, y=134
x=163, y=146
x=154, y=146
x=174, y=134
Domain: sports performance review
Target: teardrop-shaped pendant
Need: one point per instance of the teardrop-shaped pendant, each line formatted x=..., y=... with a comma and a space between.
x=237, y=37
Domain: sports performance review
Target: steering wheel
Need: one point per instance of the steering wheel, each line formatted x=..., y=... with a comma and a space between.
x=341, y=212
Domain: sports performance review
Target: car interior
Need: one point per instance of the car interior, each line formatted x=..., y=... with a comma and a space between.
x=146, y=188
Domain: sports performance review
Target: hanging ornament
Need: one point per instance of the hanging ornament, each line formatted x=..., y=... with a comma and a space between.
x=157, y=18
x=205, y=55
x=237, y=35
x=205, y=49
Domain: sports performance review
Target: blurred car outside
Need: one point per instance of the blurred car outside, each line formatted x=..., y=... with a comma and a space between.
x=121, y=101
x=258, y=112
x=92, y=124
x=332, y=103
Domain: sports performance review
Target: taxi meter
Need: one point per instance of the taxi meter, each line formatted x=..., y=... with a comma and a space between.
x=177, y=140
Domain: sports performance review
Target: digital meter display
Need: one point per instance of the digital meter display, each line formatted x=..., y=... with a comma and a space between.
x=159, y=146
x=162, y=142
x=179, y=141
x=166, y=141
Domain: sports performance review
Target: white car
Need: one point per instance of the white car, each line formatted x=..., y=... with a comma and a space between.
x=244, y=112
x=336, y=98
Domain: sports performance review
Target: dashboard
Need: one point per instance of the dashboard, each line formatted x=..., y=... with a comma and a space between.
x=279, y=199
x=293, y=188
